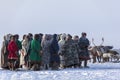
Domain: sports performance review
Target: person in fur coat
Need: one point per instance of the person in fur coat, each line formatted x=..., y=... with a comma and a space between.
x=54, y=57
x=24, y=51
x=4, y=53
x=46, y=41
x=84, y=53
x=61, y=43
x=69, y=52
x=35, y=53
x=12, y=56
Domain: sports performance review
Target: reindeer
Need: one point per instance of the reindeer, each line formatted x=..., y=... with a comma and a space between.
x=97, y=51
x=102, y=53
x=113, y=55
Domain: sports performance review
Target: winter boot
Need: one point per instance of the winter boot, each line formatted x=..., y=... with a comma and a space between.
x=85, y=64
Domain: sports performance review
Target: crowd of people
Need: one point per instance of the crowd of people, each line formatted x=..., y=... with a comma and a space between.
x=44, y=51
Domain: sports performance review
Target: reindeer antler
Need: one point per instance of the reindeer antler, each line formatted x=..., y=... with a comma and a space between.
x=102, y=41
x=93, y=41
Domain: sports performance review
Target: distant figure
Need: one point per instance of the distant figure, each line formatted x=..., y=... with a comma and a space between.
x=61, y=43
x=12, y=56
x=54, y=57
x=24, y=51
x=30, y=36
x=18, y=42
x=4, y=53
x=46, y=41
x=77, y=50
x=69, y=52
x=84, y=53
x=35, y=53
x=19, y=45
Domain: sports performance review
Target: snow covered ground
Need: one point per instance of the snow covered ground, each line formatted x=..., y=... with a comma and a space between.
x=97, y=71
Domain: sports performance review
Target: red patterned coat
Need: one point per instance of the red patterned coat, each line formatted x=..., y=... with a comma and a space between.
x=12, y=48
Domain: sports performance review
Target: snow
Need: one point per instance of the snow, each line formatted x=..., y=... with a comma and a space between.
x=97, y=71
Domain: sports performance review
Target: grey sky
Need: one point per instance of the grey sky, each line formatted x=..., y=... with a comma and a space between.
x=99, y=18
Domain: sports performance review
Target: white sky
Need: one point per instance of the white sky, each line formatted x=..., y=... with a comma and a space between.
x=99, y=18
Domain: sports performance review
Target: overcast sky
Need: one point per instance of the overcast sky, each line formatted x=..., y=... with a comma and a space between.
x=98, y=18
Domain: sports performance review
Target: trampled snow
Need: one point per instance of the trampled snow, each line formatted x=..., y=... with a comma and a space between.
x=97, y=71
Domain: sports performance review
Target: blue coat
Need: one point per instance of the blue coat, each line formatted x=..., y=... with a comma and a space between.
x=54, y=48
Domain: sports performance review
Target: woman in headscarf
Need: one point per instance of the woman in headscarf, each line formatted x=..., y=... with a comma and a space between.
x=54, y=57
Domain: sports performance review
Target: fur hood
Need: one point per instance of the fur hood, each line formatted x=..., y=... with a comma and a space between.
x=63, y=36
